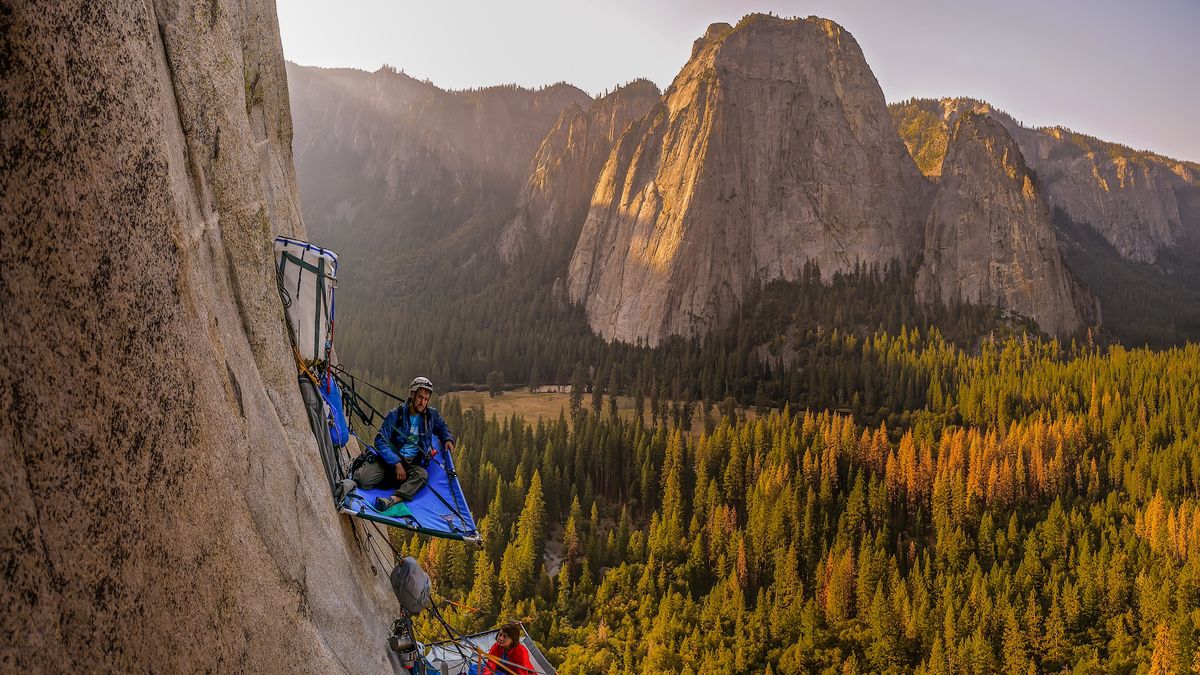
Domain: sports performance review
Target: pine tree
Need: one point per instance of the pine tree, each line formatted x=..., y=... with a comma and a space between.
x=666, y=540
x=535, y=376
x=572, y=545
x=483, y=590
x=521, y=560
x=597, y=395
x=564, y=604
x=1016, y=660
x=492, y=527
x=1164, y=659
x=578, y=386
x=882, y=647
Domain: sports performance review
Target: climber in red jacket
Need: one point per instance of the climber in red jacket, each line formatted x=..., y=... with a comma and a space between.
x=514, y=657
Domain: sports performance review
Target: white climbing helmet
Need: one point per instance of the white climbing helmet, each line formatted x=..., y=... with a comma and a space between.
x=420, y=383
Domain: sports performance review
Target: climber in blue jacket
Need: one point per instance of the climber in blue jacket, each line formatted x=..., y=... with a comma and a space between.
x=403, y=447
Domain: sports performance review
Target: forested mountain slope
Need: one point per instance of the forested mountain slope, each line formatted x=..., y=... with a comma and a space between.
x=397, y=174
x=1141, y=202
x=562, y=176
x=428, y=289
x=430, y=221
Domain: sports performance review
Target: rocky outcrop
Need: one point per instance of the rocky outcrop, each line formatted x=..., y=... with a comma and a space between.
x=772, y=147
x=382, y=157
x=989, y=239
x=164, y=507
x=1142, y=203
x=555, y=197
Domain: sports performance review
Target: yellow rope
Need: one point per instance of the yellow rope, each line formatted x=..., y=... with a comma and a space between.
x=473, y=610
x=304, y=367
x=497, y=660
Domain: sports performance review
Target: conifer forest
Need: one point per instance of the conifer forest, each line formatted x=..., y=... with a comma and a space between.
x=904, y=500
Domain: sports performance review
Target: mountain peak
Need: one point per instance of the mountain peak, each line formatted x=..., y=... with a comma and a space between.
x=639, y=87
x=716, y=30
x=773, y=148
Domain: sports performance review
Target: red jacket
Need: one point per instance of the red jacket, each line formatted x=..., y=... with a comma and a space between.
x=516, y=661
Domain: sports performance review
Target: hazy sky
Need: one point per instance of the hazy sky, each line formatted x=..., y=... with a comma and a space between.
x=1123, y=71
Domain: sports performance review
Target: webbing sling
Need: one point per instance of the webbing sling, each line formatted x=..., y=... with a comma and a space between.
x=320, y=306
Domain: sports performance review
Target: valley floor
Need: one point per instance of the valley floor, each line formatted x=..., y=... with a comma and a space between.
x=545, y=405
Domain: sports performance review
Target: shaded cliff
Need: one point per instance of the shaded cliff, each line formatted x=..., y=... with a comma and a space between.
x=164, y=508
x=386, y=159
x=989, y=239
x=772, y=147
x=555, y=198
x=1142, y=203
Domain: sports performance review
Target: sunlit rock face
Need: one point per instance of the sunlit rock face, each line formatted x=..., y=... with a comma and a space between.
x=989, y=240
x=772, y=147
x=163, y=506
x=555, y=198
x=1140, y=202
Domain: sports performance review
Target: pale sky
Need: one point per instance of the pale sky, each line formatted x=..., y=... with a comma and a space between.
x=1127, y=72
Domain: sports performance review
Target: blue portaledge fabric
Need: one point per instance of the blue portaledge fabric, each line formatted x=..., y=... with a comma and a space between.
x=339, y=429
x=430, y=515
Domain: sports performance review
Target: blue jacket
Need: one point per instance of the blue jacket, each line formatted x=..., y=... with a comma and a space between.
x=391, y=435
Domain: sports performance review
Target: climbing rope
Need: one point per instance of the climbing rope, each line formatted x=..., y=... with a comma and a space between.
x=338, y=371
x=473, y=610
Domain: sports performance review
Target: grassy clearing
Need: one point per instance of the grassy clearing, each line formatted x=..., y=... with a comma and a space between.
x=548, y=406
x=530, y=406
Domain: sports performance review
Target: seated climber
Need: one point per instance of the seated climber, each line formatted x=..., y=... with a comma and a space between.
x=508, y=655
x=403, y=446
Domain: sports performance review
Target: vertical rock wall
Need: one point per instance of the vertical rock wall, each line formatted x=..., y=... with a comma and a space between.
x=562, y=175
x=989, y=240
x=1142, y=203
x=163, y=506
x=773, y=147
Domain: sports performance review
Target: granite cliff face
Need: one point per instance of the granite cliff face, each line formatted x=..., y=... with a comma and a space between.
x=554, y=199
x=989, y=239
x=382, y=156
x=1140, y=202
x=163, y=505
x=772, y=147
